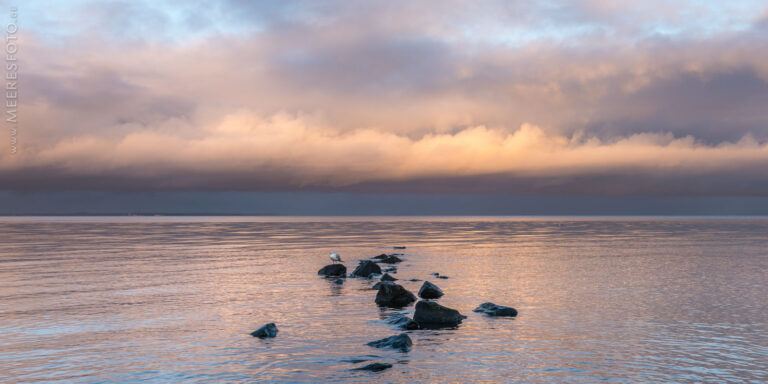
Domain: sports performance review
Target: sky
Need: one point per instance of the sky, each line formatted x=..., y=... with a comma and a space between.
x=348, y=101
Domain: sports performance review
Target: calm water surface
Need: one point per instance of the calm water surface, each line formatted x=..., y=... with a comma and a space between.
x=174, y=299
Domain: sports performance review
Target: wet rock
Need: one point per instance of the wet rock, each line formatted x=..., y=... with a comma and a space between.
x=387, y=277
x=339, y=281
x=391, y=269
x=379, y=257
x=492, y=309
x=267, y=330
x=435, y=274
x=387, y=259
x=403, y=322
x=399, y=247
x=333, y=270
x=430, y=314
x=366, y=269
x=442, y=277
x=393, y=295
x=374, y=367
x=376, y=286
x=430, y=291
x=400, y=342
x=414, y=280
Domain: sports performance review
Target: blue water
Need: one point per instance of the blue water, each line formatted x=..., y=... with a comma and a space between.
x=172, y=299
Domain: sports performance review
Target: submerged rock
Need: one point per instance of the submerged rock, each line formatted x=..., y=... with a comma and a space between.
x=402, y=322
x=399, y=247
x=400, y=342
x=374, y=367
x=430, y=291
x=393, y=295
x=333, y=270
x=433, y=315
x=267, y=330
x=387, y=259
x=414, y=280
x=391, y=269
x=442, y=277
x=339, y=281
x=387, y=277
x=492, y=309
x=366, y=269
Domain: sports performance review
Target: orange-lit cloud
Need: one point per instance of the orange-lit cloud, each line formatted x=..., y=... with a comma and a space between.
x=292, y=152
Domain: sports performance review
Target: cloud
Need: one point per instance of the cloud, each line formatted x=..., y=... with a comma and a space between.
x=282, y=151
x=581, y=96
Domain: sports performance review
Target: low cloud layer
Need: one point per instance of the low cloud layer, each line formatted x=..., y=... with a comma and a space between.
x=246, y=151
x=427, y=97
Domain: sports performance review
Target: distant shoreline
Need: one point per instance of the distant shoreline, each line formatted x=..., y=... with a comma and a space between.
x=544, y=216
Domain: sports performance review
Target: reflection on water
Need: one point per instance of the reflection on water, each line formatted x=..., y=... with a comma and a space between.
x=173, y=299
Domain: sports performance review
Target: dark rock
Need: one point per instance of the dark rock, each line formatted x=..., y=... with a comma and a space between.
x=389, y=259
x=435, y=274
x=374, y=367
x=387, y=277
x=403, y=322
x=442, y=277
x=401, y=342
x=414, y=280
x=430, y=314
x=267, y=330
x=339, y=281
x=393, y=295
x=366, y=269
x=333, y=270
x=376, y=286
x=379, y=257
x=391, y=269
x=430, y=291
x=492, y=309
x=399, y=247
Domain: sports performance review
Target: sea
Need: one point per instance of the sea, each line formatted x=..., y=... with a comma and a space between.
x=174, y=299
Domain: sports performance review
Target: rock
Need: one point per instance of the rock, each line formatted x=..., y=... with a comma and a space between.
x=333, y=270
x=376, y=286
x=339, y=281
x=430, y=314
x=430, y=291
x=389, y=259
x=379, y=257
x=374, y=367
x=366, y=269
x=435, y=274
x=267, y=330
x=387, y=277
x=402, y=322
x=414, y=280
x=400, y=342
x=391, y=269
x=442, y=277
x=398, y=247
x=393, y=295
x=492, y=309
